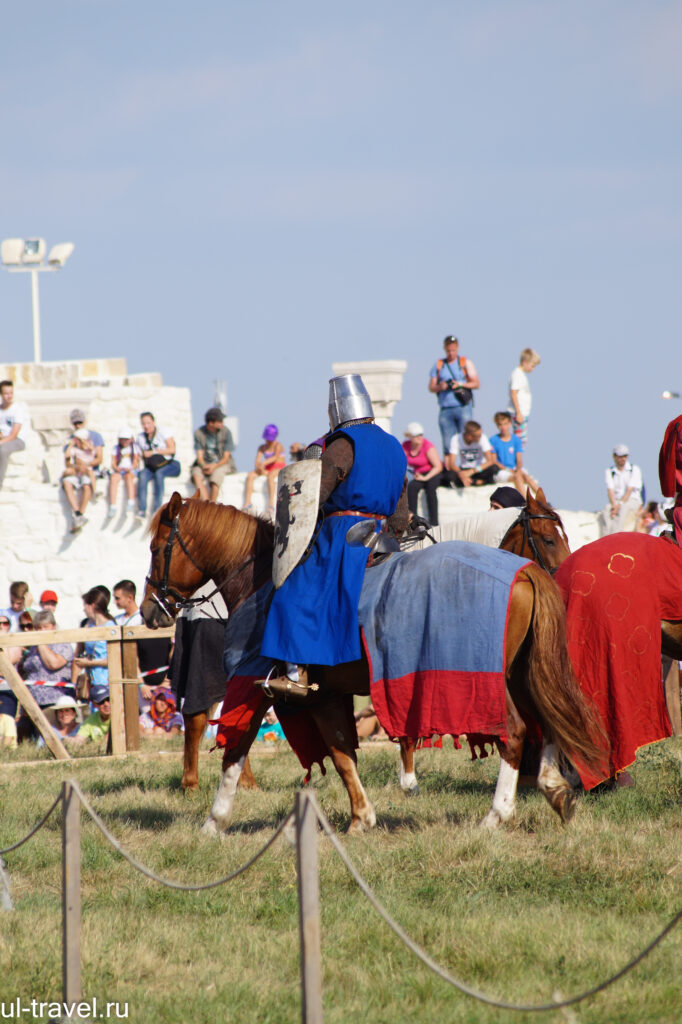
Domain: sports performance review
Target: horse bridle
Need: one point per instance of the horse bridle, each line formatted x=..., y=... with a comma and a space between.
x=162, y=590
x=525, y=518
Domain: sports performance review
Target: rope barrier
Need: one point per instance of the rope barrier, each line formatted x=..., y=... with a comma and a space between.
x=33, y=831
x=557, y=1003
x=167, y=881
x=445, y=975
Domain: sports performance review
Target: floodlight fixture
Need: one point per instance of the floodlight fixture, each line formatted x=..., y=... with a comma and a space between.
x=34, y=250
x=60, y=253
x=27, y=255
x=670, y=394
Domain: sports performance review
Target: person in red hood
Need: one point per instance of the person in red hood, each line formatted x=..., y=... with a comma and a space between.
x=670, y=471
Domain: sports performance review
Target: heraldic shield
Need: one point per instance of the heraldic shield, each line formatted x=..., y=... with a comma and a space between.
x=298, y=498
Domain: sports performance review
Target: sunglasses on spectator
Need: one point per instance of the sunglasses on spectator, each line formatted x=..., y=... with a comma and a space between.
x=26, y=625
x=4, y=622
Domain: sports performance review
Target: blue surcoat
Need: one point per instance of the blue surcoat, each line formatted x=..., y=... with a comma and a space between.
x=313, y=618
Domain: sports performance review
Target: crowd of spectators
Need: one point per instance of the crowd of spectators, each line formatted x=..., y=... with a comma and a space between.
x=70, y=682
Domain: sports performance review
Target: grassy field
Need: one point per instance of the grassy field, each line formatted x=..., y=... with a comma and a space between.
x=521, y=914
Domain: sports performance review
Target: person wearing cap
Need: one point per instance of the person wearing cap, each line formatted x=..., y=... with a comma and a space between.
x=454, y=380
x=313, y=616
x=506, y=497
x=157, y=448
x=624, y=488
x=426, y=469
x=48, y=601
x=270, y=459
x=213, y=445
x=14, y=418
x=98, y=724
x=125, y=462
x=83, y=454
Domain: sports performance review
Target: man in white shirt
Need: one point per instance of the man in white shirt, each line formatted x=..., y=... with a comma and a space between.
x=13, y=419
x=624, y=489
x=471, y=459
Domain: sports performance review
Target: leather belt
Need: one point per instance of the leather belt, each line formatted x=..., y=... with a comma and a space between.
x=362, y=515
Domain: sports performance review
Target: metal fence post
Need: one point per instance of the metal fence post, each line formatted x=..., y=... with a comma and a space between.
x=308, y=909
x=71, y=894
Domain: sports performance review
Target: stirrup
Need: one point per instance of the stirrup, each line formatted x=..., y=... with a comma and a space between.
x=283, y=686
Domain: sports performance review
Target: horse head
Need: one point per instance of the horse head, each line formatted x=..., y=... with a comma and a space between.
x=173, y=574
x=538, y=533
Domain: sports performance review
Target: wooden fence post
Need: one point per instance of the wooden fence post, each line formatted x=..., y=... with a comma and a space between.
x=308, y=909
x=117, y=729
x=131, y=694
x=71, y=894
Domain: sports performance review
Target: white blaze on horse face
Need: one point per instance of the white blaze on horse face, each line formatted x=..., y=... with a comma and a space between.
x=504, y=801
x=221, y=812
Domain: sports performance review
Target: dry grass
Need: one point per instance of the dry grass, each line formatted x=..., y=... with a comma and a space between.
x=535, y=908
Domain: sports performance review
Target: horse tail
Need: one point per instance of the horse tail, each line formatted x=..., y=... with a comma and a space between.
x=568, y=720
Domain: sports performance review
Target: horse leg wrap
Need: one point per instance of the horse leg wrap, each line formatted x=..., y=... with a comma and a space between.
x=504, y=801
x=221, y=812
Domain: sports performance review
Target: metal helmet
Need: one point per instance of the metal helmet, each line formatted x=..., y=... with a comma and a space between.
x=348, y=400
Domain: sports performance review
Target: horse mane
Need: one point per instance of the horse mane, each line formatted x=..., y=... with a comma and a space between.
x=221, y=532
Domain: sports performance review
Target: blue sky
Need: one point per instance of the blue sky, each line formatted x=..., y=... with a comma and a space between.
x=258, y=190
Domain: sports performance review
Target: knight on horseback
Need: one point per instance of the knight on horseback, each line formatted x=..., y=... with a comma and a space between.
x=313, y=617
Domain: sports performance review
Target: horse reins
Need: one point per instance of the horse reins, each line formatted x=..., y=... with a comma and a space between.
x=166, y=591
x=528, y=538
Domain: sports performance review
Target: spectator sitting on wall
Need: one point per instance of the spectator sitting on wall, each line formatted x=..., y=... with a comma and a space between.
x=471, y=460
x=425, y=468
x=125, y=463
x=213, y=445
x=163, y=717
x=509, y=455
x=269, y=460
x=98, y=724
x=83, y=458
x=14, y=418
x=157, y=448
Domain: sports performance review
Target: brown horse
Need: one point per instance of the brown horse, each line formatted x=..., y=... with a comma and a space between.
x=194, y=541
x=535, y=532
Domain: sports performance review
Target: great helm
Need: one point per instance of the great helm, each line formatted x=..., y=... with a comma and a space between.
x=348, y=400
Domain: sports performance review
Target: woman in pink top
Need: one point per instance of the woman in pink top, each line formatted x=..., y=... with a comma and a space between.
x=426, y=469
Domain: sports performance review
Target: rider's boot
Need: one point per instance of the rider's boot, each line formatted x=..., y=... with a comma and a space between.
x=294, y=683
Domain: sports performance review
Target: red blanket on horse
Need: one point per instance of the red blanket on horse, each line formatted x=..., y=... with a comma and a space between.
x=617, y=590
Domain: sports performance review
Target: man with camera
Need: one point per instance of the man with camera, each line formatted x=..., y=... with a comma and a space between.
x=453, y=379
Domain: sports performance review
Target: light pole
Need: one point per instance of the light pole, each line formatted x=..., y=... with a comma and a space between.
x=26, y=256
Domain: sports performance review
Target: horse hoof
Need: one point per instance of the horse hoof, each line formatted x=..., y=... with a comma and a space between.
x=210, y=827
x=567, y=805
x=412, y=790
x=491, y=821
